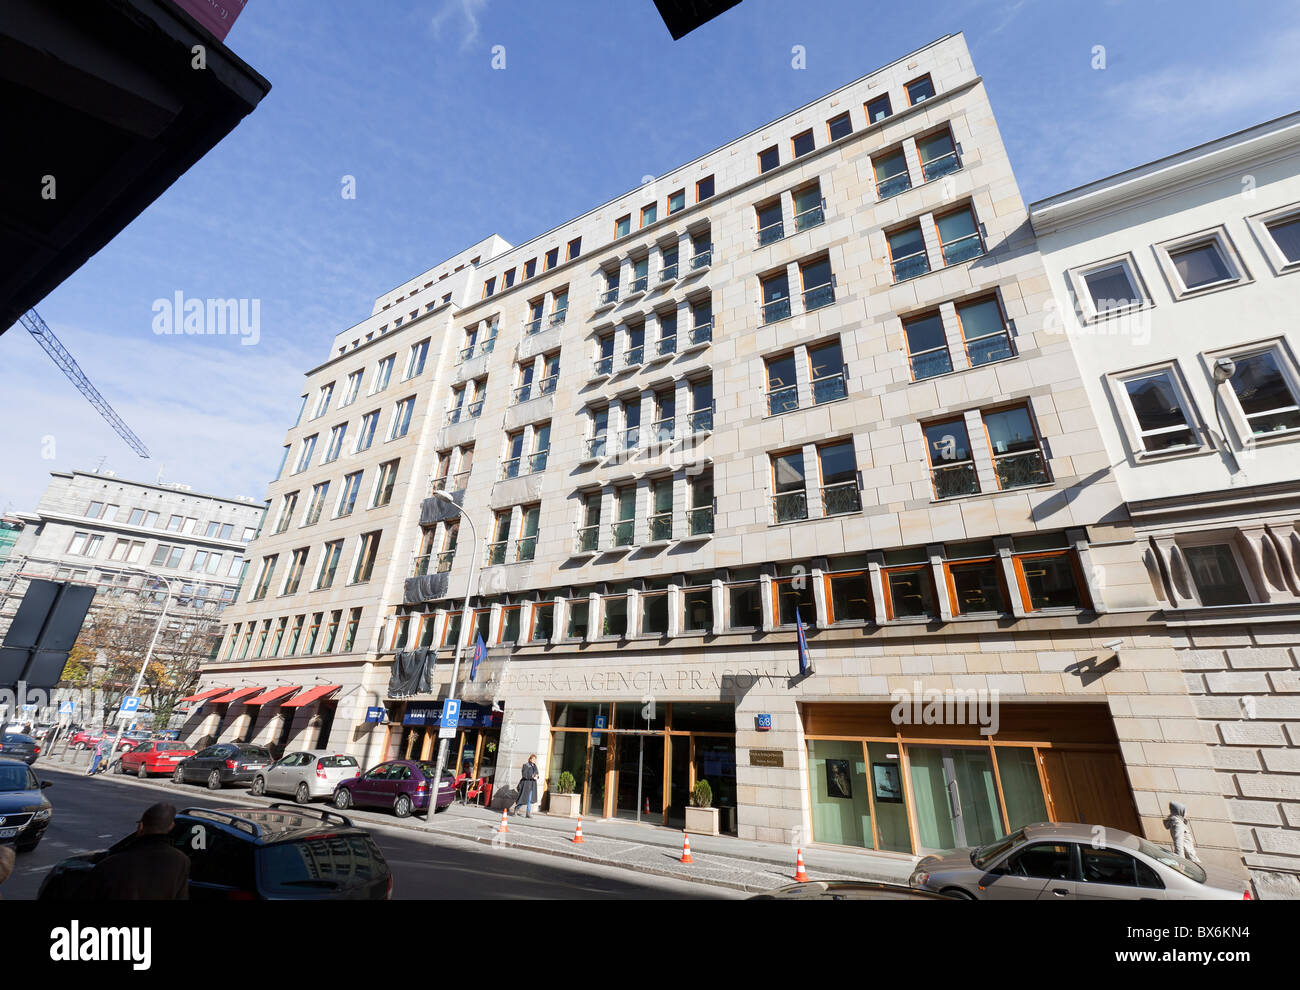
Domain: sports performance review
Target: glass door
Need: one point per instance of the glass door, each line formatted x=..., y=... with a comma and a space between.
x=639, y=762
x=679, y=775
x=956, y=797
x=597, y=766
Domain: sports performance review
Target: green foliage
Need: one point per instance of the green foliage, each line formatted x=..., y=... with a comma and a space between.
x=566, y=784
x=702, y=796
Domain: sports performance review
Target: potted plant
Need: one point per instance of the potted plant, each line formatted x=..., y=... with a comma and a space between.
x=565, y=802
x=701, y=816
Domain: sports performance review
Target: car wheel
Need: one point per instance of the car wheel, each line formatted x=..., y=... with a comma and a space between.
x=178, y=776
x=214, y=781
x=302, y=795
x=402, y=806
x=79, y=747
x=117, y=767
x=957, y=892
x=142, y=773
x=342, y=798
x=259, y=786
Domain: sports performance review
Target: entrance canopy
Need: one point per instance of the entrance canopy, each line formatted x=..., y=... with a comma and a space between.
x=204, y=695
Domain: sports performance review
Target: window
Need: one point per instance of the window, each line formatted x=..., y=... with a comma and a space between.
x=770, y=226
x=559, y=307
x=984, y=331
x=744, y=600
x=635, y=353
x=1050, y=580
x=496, y=551
x=1267, y=395
x=624, y=528
x=329, y=563
x=789, y=495
x=704, y=189
x=168, y=556
x=526, y=544
x=828, y=374
x=85, y=544
x=818, y=283
x=676, y=201
x=701, y=417
x=589, y=530
x=552, y=258
x=323, y=400
x=350, y=633
x=891, y=172
x=510, y=464
x=952, y=468
x=1158, y=414
x=640, y=275
x=848, y=597
x=578, y=616
x=938, y=155
x=782, y=388
x=701, y=322
x=297, y=565
x=369, y=422
x=907, y=253
x=530, y=268
x=382, y=373
x=508, y=279
x=317, y=504
x=649, y=214
x=919, y=90
x=384, y=485
x=336, y=443
x=665, y=406
x=699, y=516
x=610, y=294
x=697, y=608
x=604, y=364
x=909, y=592
x=305, y=455
x=489, y=287
x=1017, y=451
x=574, y=249
x=622, y=226
x=301, y=409
x=284, y=459
x=839, y=474
x=402, y=418
x=667, y=333
x=127, y=550
x=96, y=509
x=632, y=423
x=974, y=577
x=1200, y=262
x=808, y=208
x=792, y=601
x=348, y=497
x=543, y=622
x=838, y=127
x=802, y=144
x=701, y=251
x=264, y=578
x=776, y=297
x=1278, y=233
x=288, y=506
x=768, y=159
x=959, y=236
x=599, y=432
x=368, y=549
x=878, y=109
x=1216, y=574
x=927, y=346
x=661, y=510
x=415, y=360
x=1108, y=287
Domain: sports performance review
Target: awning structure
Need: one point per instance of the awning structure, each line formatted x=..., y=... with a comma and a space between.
x=236, y=695
x=310, y=695
x=273, y=694
x=204, y=695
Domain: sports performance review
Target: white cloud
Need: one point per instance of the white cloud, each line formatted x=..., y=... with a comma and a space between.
x=468, y=9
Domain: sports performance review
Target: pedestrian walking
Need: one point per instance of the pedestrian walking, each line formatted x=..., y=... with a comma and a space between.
x=144, y=866
x=527, y=787
x=101, y=749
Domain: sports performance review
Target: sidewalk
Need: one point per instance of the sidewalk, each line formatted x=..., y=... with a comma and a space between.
x=723, y=861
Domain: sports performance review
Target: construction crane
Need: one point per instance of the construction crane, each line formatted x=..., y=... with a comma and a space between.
x=55, y=349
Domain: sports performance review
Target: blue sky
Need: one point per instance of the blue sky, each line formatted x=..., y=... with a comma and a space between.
x=445, y=150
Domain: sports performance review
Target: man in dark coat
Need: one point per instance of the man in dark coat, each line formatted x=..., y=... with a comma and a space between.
x=143, y=867
x=527, y=787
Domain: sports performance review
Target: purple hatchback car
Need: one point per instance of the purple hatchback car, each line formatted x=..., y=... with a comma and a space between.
x=403, y=785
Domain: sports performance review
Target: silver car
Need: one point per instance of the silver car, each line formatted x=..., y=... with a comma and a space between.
x=306, y=774
x=1068, y=862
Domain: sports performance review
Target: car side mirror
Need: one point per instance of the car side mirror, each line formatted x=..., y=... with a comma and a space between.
x=46, y=783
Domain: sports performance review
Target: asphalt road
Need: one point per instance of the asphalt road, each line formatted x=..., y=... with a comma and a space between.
x=92, y=814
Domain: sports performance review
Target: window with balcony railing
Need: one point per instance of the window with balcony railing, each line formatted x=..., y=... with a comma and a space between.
x=839, y=476
x=665, y=429
x=907, y=254
x=808, y=216
x=789, y=495
x=702, y=333
x=952, y=468
x=828, y=374
x=640, y=277
x=818, y=284
x=938, y=155
x=959, y=236
x=661, y=527
x=610, y=295
x=701, y=421
x=547, y=385
x=631, y=438
x=525, y=548
x=1017, y=451
x=927, y=346
x=588, y=538
x=496, y=552
x=984, y=331
x=703, y=256
x=510, y=468
x=622, y=532
x=776, y=298
x=668, y=272
x=771, y=227
x=700, y=520
x=537, y=461
x=596, y=445
x=782, y=388
x=891, y=174
x=667, y=344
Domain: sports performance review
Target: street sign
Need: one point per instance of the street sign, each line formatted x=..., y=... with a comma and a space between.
x=600, y=724
x=377, y=714
x=450, y=719
x=130, y=705
x=67, y=707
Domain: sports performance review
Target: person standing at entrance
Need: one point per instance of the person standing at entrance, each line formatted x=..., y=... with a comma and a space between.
x=527, y=787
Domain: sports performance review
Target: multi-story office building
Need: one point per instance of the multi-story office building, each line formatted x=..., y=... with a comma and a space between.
x=809, y=377
x=1179, y=286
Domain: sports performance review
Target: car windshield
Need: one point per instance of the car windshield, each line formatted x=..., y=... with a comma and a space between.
x=13, y=739
x=325, y=862
x=168, y=747
x=16, y=778
x=337, y=761
x=1172, y=860
x=984, y=855
x=254, y=753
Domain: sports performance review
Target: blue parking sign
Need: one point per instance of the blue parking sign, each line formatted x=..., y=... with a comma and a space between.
x=450, y=718
x=131, y=703
x=67, y=707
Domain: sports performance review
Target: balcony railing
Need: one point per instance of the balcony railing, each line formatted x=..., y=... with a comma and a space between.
x=475, y=409
x=954, y=480
x=661, y=527
x=777, y=309
x=523, y=393
x=700, y=421
x=634, y=356
x=441, y=562
x=841, y=498
x=927, y=364
x=963, y=249
x=533, y=326
x=547, y=385
x=781, y=400
x=510, y=468
x=667, y=345
x=701, y=333
x=814, y=217
x=421, y=566
x=631, y=438
x=770, y=234
x=668, y=274
x=638, y=284
x=459, y=481
x=525, y=548
x=790, y=506
x=829, y=388
x=701, y=520
x=559, y=316
x=496, y=552
x=588, y=537
x=537, y=461
x=609, y=296
x=818, y=296
x=665, y=429
x=911, y=266
x=992, y=347
x=603, y=365
x=454, y=416
x=937, y=168
x=703, y=258
x=596, y=446
x=1021, y=470
x=622, y=532
x=892, y=185
x=444, y=560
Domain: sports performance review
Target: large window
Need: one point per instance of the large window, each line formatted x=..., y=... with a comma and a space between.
x=839, y=474
x=1017, y=451
x=927, y=346
x=907, y=253
x=959, y=236
x=952, y=466
x=984, y=330
x=789, y=492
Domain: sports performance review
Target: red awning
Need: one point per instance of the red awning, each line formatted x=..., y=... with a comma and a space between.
x=272, y=694
x=310, y=695
x=236, y=694
x=205, y=695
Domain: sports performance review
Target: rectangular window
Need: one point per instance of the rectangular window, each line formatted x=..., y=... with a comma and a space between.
x=335, y=447
x=792, y=601
x=323, y=400
x=496, y=551
x=624, y=528
x=848, y=596
x=574, y=249
x=348, y=497
x=661, y=510
x=264, y=579
x=1108, y=287
x=543, y=622
x=818, y=283
x=613, y=609
x=1285, y=233
x=697, y=608
x=984, y=331
x=919, y=90
x=369, y=423
x=744, y=602
x=1050, y=580
x=789, y=493
x=384, y=485
x=530, y=268
x=938, y=153
x=383, y=372
x=768, y=159
x=959, y=236
x=1266, y=395
x=704, y=189
x=909, y=592
x=907, y=253
x=489, y=287
x=1216, y=575
x=622, y=226
x=771, y=228
x=649, y=214
x=776, y=297
x=640, y=275
x=508, y=279
x=305, y=455
x=402, y=418
x=526, y=544
x=927, y=346
x=351, y=389
x=1160, y=412
x=782, y=388
x=1017, y=452
x=891, y=174
x=838, y=127
x=415, y=360
x=802, y=144
x=828, y=376
x=350, y=633
x=368, y=549
x=808, y=209
x=578, y=615
x=329, y=563
x=975, y=586
x=839, y=474
x=676, y=201
x=589, y=530
x=552, y=258
x=878, y=109
x=297, y=564
x=952, y=468
x=317, y=504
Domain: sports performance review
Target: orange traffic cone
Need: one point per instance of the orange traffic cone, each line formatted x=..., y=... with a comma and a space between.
x=577, y=832
x=503, y=827
x=686, y=849
x=799, y=873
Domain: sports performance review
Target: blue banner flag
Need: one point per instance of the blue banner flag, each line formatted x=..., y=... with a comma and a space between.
x=480, y=654
x=805, y=666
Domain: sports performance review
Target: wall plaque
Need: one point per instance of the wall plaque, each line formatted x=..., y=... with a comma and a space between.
x=766, y=758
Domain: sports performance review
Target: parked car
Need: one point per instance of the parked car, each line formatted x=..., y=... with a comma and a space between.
x=403, y=785
x=85, y=738
x=19, y=747
x=152, y=757
x=306, y=774
x=221, y=764
x=130, y=740
x=284, y=852
x=1066, y=862
x=24, y=810
x=850, y=890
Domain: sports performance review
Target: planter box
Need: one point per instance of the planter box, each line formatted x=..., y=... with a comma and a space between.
x=702, y=821
x=566, y=805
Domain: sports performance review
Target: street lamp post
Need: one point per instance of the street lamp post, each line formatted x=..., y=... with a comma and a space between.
x=442, y=495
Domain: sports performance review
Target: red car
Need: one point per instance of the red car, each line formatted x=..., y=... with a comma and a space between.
x=153, y=756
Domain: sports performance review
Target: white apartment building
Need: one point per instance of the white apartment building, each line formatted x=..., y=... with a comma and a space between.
x=810, y=377
x=1177, y=283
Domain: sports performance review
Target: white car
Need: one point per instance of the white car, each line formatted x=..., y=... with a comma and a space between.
x=306, y=774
